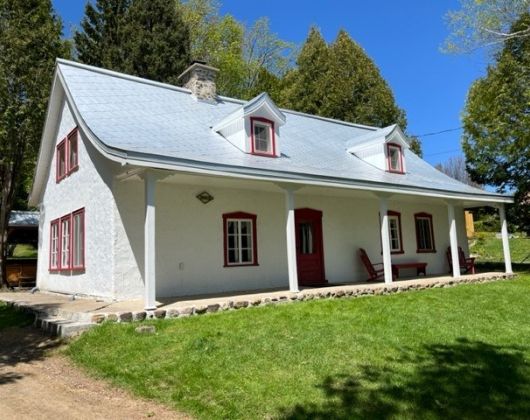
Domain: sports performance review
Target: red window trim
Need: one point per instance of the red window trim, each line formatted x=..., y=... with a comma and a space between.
x=398, y=214
x=52, y=223
x=424, y=216
x=69, y=266
x=273, y=136
x=65, y=144
x=81, y=212
x=401, y=168
x=240, y=215
x=58, y=176
x=72, y=134
x=59, y=222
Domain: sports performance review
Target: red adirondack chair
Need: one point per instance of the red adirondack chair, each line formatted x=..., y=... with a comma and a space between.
x=467, y=264
x=375, y=271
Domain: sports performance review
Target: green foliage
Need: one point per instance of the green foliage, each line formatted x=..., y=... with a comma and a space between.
x=443, y=353
x=99, y=40
x=340, y=81
x=155, y=41
x=267, y=58
x=305, y=91
x=217, y=40
x=30, y=41
x=146, y=38
x=485, y=23
x=496, y=121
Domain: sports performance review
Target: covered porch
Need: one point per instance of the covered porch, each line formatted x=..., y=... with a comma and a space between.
x=335, y=202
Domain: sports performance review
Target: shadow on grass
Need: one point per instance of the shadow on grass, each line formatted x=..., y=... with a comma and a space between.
x=20, y=342
x=467, y=379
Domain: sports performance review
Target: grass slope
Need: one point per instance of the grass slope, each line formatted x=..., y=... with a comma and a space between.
x=488, y=248
x=461, y=352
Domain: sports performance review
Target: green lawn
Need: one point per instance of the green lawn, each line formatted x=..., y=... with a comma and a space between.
x=462, y=352
x=488, y=248
x=25, y=251
x=12, y=318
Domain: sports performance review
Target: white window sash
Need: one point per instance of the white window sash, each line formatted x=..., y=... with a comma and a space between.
x=267, y=139
x=393, y=227
x=238, y=246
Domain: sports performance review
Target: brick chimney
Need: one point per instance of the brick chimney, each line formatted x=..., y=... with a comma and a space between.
x=200, y=79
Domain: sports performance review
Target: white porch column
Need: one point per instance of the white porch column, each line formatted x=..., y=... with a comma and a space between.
x=505, y=241
x=291, y=240
x=149, y=241
x=453, y=239
x=385, y=238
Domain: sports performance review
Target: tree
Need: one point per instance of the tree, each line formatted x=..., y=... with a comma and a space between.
x=304, y=89
x=267, y=58
x=455, y=167
x=496, y=121
x=30, y=41
x=340, y=81
x=354, y=88
x=217, y=40
x=155, y=41
x=146, y=38
x=485, y=23
x=98, y=43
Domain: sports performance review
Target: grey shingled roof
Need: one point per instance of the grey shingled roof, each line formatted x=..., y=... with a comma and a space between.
x=139, y=116
x=23, y=218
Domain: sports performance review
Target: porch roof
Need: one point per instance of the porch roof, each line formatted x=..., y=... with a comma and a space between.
x=156, y=125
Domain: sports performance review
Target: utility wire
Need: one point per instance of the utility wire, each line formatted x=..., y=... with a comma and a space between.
x=438, y=132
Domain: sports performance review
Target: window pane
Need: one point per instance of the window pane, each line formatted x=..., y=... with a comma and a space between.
x=232, y=256
x=262, y=138
x=423, y=227
x=65, y=243
x=239, y=242
x=246, y=256
x=395, y=163
x=73, y=151
x=78, y=240
x=393, y=227
x=306, y=238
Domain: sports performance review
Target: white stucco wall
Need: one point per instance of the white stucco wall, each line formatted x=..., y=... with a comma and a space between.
x=88, y=187
x=189, y=238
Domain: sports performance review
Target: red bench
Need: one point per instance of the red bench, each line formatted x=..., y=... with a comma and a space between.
x=421, y=268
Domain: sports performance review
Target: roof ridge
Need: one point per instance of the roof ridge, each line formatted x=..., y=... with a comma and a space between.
x=122, y=75
x=126, y=76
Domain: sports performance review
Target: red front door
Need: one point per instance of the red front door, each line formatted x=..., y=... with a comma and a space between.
x=309, y=247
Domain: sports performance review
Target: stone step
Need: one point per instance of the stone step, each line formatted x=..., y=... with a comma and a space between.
x=59, y=327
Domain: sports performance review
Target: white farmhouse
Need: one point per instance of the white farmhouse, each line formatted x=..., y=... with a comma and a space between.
x=148, y=190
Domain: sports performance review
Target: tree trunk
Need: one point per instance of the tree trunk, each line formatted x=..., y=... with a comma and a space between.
x=6, y=201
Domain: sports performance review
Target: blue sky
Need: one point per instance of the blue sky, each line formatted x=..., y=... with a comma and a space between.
x=403, y=37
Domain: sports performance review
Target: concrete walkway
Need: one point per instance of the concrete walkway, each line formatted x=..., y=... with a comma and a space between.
x=62, y=315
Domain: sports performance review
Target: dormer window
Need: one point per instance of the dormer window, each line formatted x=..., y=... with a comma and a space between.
x=262, y=131
x=395, y=158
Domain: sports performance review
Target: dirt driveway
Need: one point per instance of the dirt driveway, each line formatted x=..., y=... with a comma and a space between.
x=35, y=384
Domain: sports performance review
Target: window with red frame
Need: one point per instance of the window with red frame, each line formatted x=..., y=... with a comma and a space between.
x=394, y=230
x=73, y=159
x=61, y=160
x=263, y=139
x=67, y=242
x=78, y=239
x=54, y=245
x=395, y=158
x=67, y=156
x=240, y=239
x=424, y=232
x=66, y=225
